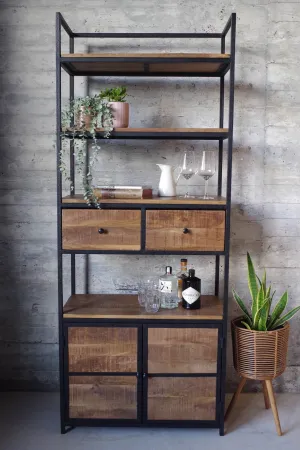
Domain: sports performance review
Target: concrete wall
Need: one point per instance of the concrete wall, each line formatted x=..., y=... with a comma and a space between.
x=266, y=195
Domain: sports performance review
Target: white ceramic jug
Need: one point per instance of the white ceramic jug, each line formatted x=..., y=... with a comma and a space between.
x=166, y=187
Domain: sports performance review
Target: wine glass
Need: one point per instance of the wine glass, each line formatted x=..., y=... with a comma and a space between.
x=187, y=169
x=207, y=168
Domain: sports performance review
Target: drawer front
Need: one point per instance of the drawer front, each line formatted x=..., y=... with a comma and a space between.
x=185, y=230
x=102, y=349
x=181, y=398
x=182, y=350
x=101, y=230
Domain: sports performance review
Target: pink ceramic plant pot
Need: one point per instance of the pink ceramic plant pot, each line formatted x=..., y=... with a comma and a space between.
x=84, y=118
x=120, y=111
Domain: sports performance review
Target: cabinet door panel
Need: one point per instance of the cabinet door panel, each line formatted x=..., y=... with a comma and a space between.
x=102, y=349
x=182, y=350
x=103, y=397
x=185, y=230
x=181, y=398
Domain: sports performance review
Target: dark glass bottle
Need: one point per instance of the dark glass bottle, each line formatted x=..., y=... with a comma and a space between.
x=191, y=291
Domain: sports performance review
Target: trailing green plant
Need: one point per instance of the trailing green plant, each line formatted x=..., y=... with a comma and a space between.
x=76, y=130
x=116, y=94
x=261, y=318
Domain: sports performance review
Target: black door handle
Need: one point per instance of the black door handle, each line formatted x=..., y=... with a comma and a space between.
x=186, y=231
x=101, y=231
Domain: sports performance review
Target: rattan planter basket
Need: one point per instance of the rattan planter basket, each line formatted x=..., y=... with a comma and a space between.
x=259, y=355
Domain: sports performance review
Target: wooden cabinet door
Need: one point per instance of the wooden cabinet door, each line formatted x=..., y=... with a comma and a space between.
x=185, y=230
x=172, y=353
x=182, y=350
x=181, y=398
x=102, y=349
x=103, y=397
x=84, y=229
x=103, y=372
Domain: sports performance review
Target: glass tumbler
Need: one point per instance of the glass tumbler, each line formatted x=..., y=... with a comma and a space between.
x=143, y=287
x=152, y=299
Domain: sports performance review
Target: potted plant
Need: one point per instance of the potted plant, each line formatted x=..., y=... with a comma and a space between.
x=120, y=109
x=260, y=337
x=80, y=119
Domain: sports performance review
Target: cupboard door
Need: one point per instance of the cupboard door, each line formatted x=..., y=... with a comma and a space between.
x=84, y=229
x=185, y=230
x=103, y=397
x=103, y=349
x=181, y=398
x=182, y=350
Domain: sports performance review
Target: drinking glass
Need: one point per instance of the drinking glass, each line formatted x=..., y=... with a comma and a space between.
x=187, y=169
x=207, y=168
x=144, y=286
x=153, y=298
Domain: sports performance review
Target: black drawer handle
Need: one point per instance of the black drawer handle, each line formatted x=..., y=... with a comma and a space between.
x=185, y=231
x=102, y=231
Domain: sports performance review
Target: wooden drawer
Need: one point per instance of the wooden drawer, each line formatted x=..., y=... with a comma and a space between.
x=102, y=349
x=101, y=230
x=185, y=230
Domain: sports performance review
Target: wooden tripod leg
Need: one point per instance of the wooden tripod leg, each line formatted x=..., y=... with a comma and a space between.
x=235, y=397
x=273, y=406
x=266, y=396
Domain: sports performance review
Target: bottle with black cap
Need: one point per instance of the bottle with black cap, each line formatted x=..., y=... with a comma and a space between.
x=191, y=291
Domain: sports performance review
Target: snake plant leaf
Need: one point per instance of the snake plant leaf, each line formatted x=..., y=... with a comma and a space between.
x=252, y=283
x=264, y=282
x=278, y=310
x=264, y=314
x=246, y=324
x=258, y=307
x=285, y=318
x=241, y=305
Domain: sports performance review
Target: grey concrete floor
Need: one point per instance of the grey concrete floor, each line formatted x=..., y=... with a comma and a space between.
x=30, y=421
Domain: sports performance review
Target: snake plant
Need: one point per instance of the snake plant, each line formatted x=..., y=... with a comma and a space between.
x=261, y=318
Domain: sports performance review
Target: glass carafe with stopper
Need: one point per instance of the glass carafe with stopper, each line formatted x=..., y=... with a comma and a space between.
x=168, y=289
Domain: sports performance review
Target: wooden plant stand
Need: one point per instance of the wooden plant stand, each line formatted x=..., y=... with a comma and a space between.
x=268, y=397
x=261, y=356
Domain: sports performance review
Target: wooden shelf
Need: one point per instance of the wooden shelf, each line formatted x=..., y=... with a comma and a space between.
x=78, y=198
x=146, y=64
x=116, y=306
x=158, y=133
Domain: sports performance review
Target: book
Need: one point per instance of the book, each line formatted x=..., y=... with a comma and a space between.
x=125, y=192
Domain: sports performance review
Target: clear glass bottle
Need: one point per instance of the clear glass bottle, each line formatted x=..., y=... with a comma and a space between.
x=183, y=273
x=168, y=289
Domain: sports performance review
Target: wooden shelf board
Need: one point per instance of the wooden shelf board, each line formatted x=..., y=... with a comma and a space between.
x=78, y=198
x=160, y=133
x=144, y=63
x=116, y=306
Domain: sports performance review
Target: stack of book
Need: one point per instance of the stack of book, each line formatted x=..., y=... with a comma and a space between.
x=129, y=192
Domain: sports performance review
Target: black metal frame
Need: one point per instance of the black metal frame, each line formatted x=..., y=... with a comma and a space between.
x=227, y=66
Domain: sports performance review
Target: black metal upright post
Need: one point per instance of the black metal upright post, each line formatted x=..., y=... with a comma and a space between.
x=228, y=211
x=59, y=235
x=72, y=168
x=220, y=162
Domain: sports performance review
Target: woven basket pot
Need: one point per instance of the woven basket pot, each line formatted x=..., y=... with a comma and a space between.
x=259, y=355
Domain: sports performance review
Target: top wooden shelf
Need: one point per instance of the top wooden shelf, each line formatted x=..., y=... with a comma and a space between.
x=116, y=306
x=146, y=64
